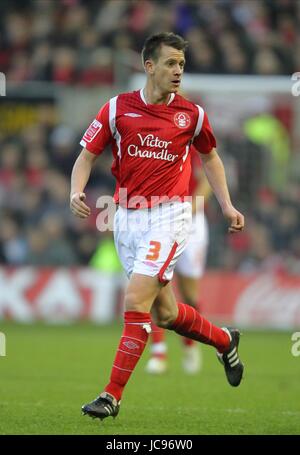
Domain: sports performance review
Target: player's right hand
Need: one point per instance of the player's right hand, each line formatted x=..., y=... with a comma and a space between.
x=77, y=205
x=235, y=218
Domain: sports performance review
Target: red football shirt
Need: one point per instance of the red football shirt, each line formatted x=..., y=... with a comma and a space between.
x=196, y=169
x=150, y=145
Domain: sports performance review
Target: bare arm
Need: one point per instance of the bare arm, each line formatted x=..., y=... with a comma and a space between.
x=203, y=189
x=80, y=176
x=215, y=173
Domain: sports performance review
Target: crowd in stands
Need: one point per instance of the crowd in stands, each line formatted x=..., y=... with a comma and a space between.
x=76, y=42
x=87, y=42
x=36, y=224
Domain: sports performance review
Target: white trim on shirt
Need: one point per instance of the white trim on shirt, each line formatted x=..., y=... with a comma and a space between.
x=199, y=121
x=112, y=123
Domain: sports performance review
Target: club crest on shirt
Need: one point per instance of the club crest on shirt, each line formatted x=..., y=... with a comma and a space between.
x=182, y=120
x=92, y=131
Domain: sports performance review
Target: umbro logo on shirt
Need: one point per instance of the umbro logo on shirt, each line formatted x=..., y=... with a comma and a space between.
x=132, y=114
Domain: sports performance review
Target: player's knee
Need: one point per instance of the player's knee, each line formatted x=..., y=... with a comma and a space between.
x=166, y=318
x=191, y=301
x=133, y=302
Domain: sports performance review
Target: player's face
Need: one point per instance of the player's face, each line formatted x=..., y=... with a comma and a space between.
x=168, y=69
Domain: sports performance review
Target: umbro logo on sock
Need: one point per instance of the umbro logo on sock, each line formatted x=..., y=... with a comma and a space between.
x=131, y=345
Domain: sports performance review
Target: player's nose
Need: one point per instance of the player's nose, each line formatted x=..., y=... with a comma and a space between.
x=177, y=74
x=178, y=70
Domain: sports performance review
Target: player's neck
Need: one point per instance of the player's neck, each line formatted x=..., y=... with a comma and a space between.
x=155, y=96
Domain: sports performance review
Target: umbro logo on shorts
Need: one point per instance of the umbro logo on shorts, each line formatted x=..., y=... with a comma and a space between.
x=151, y=264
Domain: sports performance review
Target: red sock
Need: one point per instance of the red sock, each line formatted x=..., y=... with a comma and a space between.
x=191, y=324
x=187, y=341
x=131, y=347
x=157, y=334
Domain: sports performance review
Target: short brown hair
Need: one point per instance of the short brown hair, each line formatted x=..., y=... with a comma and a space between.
x=153, y=43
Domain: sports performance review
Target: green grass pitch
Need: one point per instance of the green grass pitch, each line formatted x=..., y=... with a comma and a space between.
x=50, y=371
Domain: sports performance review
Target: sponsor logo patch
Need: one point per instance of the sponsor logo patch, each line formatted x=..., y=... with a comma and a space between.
x=92, y=131
x=182, y=120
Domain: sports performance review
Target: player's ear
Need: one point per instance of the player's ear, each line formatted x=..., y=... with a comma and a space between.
x=149, y=66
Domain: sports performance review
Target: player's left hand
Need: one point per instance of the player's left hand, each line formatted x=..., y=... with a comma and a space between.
x=236, y=219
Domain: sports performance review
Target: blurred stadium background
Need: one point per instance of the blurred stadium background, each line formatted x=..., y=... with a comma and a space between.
x=62, y=60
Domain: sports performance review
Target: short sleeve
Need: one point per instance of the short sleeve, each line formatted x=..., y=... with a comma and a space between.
x=205, y=141
x=98, y=134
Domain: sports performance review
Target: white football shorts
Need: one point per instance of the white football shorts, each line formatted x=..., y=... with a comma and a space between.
x=193, y=259
x=150, y=241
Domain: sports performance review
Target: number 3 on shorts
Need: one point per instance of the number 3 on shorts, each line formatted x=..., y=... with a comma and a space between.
x=153, y=251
